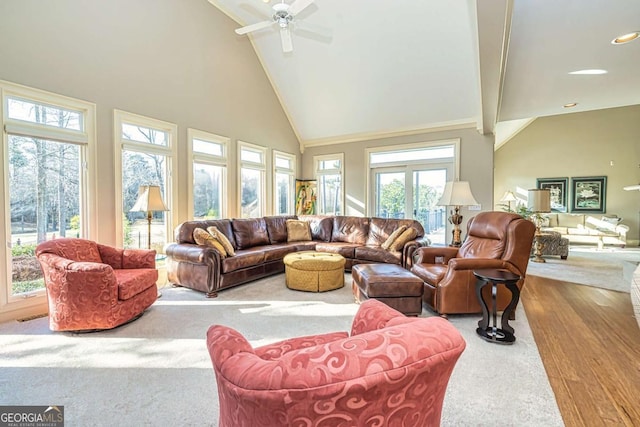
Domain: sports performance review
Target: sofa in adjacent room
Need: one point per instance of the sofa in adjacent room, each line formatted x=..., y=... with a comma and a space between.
x=597, y=229
x=255, y=247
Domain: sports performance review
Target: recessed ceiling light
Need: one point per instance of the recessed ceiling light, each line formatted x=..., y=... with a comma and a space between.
x=591, y=72
x=570, y=105
x=626, y=38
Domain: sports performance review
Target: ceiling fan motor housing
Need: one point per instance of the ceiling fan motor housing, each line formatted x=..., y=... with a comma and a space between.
x=281, y=14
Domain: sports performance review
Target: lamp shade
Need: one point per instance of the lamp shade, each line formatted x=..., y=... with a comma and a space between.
x=539, y=200
x=508, y=197
x=149, y=200
x=457, y=193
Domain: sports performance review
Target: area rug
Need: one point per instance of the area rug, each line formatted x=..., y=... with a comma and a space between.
x=609, y=268
x=156, y=370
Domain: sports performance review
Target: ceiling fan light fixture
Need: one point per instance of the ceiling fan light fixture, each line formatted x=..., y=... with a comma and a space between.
x=626, y=38
x=570, y=105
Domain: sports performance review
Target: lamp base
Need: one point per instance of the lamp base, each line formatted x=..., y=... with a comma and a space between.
x=455, y=219
x=538, y=245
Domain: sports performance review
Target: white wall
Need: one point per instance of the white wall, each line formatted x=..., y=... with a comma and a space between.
x=177, y=61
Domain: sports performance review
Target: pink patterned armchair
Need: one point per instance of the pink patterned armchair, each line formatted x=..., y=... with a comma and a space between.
x=391, y=371
x=93, y=286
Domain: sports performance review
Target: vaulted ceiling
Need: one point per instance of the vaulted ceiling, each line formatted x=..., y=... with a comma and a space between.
x=364, y=69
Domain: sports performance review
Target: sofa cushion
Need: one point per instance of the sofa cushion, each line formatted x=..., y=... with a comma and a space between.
x=552, y=220
x=350, y=229
x=321, y=226
x=222, y=239
x=250, y=232
x=407, y=235
x=393, y=236
x=243, y=259
x=377, y=254
x=277, y=228
x=298, y=231
x=347, y=250
x=133, y=281
x=381, y=228
x=204, y=238
x=570, y=220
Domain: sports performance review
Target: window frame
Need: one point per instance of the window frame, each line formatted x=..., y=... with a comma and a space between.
x=171, y=153
x=85, y=139
x=319, y=172
x=208, y=159
x=261, y=167
x=291, y=172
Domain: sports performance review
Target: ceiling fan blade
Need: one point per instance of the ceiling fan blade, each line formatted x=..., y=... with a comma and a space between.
x=298, y=6
x=285, y=36
x=317, y=30
x=254, y=27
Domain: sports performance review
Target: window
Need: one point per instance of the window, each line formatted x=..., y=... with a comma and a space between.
x=252, y=176
x=284, y=173
x=49, y=168
x=407, y=182
x=209, y=175
x=145, y=153
x=330, y=176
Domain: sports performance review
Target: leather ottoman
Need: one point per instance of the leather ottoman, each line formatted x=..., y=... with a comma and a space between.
x=389, y=283
x=314, y=271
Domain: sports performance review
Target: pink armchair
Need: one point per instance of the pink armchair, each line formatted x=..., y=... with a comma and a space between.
x=392, y=370
x=93, y=286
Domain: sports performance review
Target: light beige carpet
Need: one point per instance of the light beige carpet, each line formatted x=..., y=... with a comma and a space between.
x=609, y=268
x=156, y=371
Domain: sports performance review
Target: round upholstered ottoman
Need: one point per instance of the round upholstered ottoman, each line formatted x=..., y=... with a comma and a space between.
x=314, y=271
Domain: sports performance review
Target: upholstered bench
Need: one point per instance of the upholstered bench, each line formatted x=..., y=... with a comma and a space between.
x=395, y=286
x=314, y=271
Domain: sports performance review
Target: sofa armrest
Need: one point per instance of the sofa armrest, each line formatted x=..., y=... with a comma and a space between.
x=372, y=314
x=410, y=248
x=195, y=254
x=280, y=348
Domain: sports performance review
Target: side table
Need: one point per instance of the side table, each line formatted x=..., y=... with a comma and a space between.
x=494, y=277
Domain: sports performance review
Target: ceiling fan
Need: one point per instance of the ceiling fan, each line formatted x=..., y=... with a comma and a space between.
x=283, y=14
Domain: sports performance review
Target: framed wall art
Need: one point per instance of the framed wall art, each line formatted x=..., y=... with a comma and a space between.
x=306, y=197
x=558, y=188
x=589, y=194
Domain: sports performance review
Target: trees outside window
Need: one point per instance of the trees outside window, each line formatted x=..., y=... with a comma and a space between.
x=284, y=176
x=49, y=147
x=145, y=154
x=252, y=160
x=209, y=175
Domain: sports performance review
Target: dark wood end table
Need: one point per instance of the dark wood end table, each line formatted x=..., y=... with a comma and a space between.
x=494, y=277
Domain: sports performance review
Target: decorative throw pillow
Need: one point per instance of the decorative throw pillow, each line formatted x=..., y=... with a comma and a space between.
x=393, y=236
x=611, y=219
x=406, y=236
x=298, y=231
x=224, y=241
x=203, y=238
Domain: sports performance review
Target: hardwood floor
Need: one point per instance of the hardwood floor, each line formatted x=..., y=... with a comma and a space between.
x=589, y=342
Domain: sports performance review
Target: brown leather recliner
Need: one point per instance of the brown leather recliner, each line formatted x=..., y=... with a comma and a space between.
x=494, y=240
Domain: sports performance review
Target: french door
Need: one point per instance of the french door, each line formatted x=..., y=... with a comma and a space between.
x=412, y=192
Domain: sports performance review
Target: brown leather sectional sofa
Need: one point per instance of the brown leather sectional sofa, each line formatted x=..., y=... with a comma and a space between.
x=261, y=244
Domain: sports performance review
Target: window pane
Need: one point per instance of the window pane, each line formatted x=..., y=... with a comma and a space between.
x=44, y=190
x=250, y=193
x=443, y=152
x=142, y=169
x=329, y=193
x=284, y=193
x=207, y=191
x=390, y=195
x=145, y=134
x=247, y=155
x=207, y=147
x=283, y=162
x=329, y=164
x=49, y=115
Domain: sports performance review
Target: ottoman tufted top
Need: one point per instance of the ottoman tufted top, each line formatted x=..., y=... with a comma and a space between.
x=314, y=261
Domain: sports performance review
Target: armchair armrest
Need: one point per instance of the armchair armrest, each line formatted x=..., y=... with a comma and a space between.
x=224, y=342
x=372, y=315
x=476, y=263
x=428, y=255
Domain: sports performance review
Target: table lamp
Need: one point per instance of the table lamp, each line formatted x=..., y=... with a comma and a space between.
x=457, y=194
x=149, y=201
x=509, y=197
x=539, y=201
